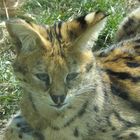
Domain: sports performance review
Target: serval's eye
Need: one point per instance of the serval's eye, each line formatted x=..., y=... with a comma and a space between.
x=43, y=77
x=71, y=76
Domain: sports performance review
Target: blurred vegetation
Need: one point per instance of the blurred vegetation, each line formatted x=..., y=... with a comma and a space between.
x=48, y=12
x=51, y=11
x=9, y=90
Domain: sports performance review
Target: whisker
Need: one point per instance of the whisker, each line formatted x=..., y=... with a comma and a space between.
x=85, y=90
x=80, y=99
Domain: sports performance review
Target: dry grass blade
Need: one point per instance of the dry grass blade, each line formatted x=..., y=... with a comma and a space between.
x=6, y=11
x=10, y=6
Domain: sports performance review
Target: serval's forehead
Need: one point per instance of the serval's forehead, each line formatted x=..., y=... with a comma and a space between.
x=53, y=33
x=54, y=41
x=43, y=58
x=63, y=44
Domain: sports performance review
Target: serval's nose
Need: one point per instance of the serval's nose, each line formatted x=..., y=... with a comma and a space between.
x=58, y=99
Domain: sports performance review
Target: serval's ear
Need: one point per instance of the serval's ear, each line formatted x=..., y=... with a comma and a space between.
x=25, y=35
x=82, y=32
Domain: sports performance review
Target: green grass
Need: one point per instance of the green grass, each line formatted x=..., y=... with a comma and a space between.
x=9, y=90
x=48, y=12
x=51, y=11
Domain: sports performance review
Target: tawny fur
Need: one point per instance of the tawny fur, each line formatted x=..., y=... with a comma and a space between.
x=71, y=93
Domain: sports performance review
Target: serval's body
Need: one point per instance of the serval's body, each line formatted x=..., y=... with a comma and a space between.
x=71, y=93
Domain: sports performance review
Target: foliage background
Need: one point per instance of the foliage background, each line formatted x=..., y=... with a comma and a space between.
x=48, y=12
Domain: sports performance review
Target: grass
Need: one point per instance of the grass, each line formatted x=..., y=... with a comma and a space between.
x=9, y=90
x=51, y=11
x=48, y=12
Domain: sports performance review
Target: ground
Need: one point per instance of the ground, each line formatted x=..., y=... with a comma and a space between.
x=9, y=90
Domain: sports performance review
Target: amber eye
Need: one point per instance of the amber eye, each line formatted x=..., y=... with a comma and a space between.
x=43, y=77
x=71, y=76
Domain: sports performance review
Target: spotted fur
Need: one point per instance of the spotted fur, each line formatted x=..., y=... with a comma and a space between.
x=71, y=93
x=122, y=60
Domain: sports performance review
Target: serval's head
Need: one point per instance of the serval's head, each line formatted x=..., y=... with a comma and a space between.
x=55, y=64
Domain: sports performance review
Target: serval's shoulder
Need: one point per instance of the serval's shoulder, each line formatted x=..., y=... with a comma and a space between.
x=121, y=61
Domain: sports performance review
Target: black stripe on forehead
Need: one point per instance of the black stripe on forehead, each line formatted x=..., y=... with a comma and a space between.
x=59, y=29
x=58, y=36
